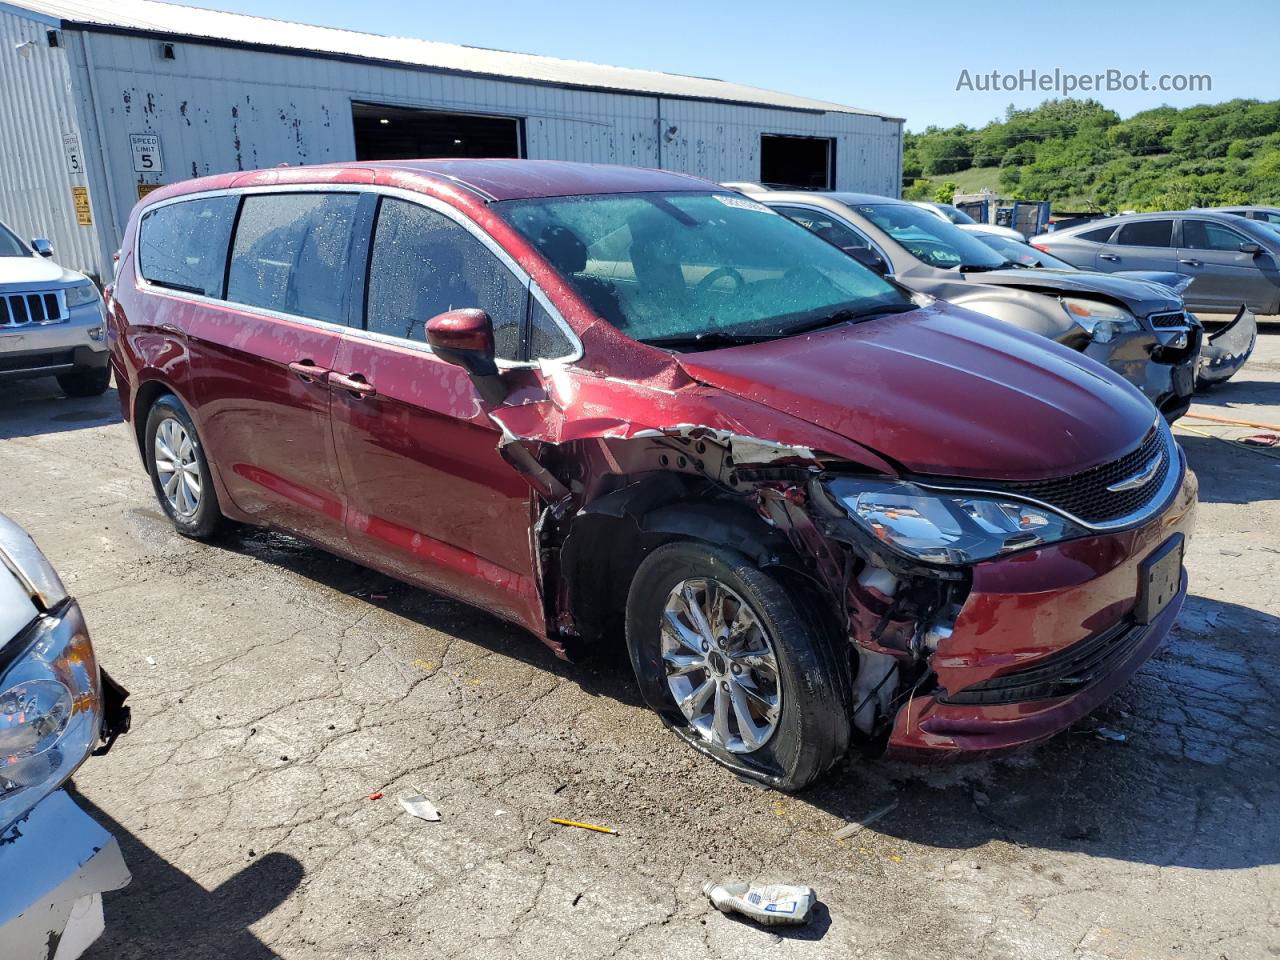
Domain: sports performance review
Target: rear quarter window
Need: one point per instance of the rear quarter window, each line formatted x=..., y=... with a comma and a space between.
x=1098, y=235
x=291, y=253
x=1146, y=233
x=183, y=246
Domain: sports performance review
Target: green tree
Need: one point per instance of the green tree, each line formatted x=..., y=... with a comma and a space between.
x=946, y=193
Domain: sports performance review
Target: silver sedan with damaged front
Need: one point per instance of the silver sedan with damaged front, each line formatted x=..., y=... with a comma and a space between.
x=55, y=707
x=1137, y=328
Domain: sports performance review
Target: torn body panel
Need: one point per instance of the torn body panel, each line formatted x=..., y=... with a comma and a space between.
x=1226, y=351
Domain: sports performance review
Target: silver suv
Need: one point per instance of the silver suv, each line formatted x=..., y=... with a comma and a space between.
x=51, y=320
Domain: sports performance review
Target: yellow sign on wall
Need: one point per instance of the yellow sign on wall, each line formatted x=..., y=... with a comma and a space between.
x=80, y=200
x=145, y=188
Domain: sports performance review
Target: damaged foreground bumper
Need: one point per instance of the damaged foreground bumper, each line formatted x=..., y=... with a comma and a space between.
x=1228, y=350
x=58, y=862
x=1043, y=639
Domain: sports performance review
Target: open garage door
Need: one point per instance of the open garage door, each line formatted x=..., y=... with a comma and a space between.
x=805, y=162
x=403, y=133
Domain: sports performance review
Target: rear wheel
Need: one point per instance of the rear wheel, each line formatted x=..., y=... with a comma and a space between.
x=179, y=471
x=725, y=653
x=88, y=382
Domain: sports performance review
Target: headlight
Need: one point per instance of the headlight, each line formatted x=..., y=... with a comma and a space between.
x=1102, y=321
x=82, y=293
x=947, y=528
x=50, y=711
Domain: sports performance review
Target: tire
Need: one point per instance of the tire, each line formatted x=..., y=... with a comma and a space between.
x=168, y=420
x=809, y=729
x=87, y=382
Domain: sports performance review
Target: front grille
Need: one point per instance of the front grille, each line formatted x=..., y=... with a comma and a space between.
x=1060, y=674
x=19, y=309
x=1166, y=320
x=1085, y=494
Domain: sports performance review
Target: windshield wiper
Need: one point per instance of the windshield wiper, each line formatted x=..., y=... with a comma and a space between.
x=983, y=267
x=721, y=338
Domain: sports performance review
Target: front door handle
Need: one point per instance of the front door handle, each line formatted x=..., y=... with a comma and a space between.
x=354, y=383
x=1193, y=263
x=1107, y=256
x=307, y=371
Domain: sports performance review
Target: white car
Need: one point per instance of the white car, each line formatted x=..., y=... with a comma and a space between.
x=55, y=705
x=52, y=322
x=953, y=214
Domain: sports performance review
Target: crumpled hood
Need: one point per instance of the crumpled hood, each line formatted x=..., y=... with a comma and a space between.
x=942, y=391
x=25, y=271
x=1142, y=297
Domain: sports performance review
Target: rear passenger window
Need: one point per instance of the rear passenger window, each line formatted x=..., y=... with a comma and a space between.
x=423, y=264
x=291, y=253
x=1146, y=233
x=1100, y=235
x=183, y=246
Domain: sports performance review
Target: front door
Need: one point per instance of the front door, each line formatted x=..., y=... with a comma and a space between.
x=430, y=498
x=262, y=361
x=1223, y=276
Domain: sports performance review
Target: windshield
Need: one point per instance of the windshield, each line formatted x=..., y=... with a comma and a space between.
x=10, y=245
x=930, y=239
x=955, y=214
x=1023, y=254
x=686, y=270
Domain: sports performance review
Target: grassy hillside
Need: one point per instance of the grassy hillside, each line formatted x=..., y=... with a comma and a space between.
x=1080, y=155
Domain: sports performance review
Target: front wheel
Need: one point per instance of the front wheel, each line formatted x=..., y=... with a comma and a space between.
x=179, y=471
x=724, y=652
x=88, y=382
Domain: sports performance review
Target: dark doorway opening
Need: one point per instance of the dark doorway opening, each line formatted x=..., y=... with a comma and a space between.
x=405, y=133
x=805, y=162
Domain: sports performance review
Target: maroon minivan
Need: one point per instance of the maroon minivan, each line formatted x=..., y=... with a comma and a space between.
x=607, y=402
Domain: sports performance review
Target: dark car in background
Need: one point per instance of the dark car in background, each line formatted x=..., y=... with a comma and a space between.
x=1232, y=260
x=1138, y=329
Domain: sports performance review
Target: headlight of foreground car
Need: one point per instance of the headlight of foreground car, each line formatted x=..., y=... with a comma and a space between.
x=50, y=710
x=1102, y=321
x=947, y=528
x=84, y=292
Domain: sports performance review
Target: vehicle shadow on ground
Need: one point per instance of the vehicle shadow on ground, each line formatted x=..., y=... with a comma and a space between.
x=1230, y=472
x=164, y=913
x=603, y=672
x=1182, y=774
x=34, y=407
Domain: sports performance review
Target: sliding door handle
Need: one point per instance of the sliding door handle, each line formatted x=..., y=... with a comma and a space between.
x=1107, y=256
x=1192, y=263
x=307, y=371
x=354, y=383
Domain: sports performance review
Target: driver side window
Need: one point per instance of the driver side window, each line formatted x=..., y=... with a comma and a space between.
x=423, y=263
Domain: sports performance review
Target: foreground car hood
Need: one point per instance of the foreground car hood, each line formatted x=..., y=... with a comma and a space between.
x=1142, y=297
x=942, y=391
x=21, y=271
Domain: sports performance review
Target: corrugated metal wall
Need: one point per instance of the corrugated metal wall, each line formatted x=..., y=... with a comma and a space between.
x=219, y=108
x=36, y=112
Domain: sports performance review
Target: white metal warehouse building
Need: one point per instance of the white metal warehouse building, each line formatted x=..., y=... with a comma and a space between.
x=101, y=100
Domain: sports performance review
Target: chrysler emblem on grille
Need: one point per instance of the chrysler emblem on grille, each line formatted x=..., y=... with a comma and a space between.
x=1141, y=478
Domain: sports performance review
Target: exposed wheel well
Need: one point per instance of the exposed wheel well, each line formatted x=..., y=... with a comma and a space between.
x=612, y=535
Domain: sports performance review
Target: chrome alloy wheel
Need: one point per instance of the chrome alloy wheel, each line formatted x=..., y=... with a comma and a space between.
x=177, y=467
x=720, y=665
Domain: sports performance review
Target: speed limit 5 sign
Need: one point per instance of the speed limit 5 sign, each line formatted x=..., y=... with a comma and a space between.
x=146, y=153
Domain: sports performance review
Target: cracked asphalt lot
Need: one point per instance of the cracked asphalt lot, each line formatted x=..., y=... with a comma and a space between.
x=275, y=688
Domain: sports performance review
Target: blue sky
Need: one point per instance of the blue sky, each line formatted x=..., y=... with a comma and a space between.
x=903, y=59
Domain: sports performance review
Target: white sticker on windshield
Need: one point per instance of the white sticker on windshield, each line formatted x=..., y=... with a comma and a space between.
x=741, y=203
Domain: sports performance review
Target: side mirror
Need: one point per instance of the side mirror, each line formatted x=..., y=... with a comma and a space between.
x=465, y=339
x=1250, y=247
x=869, y=259
x=42, y=246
